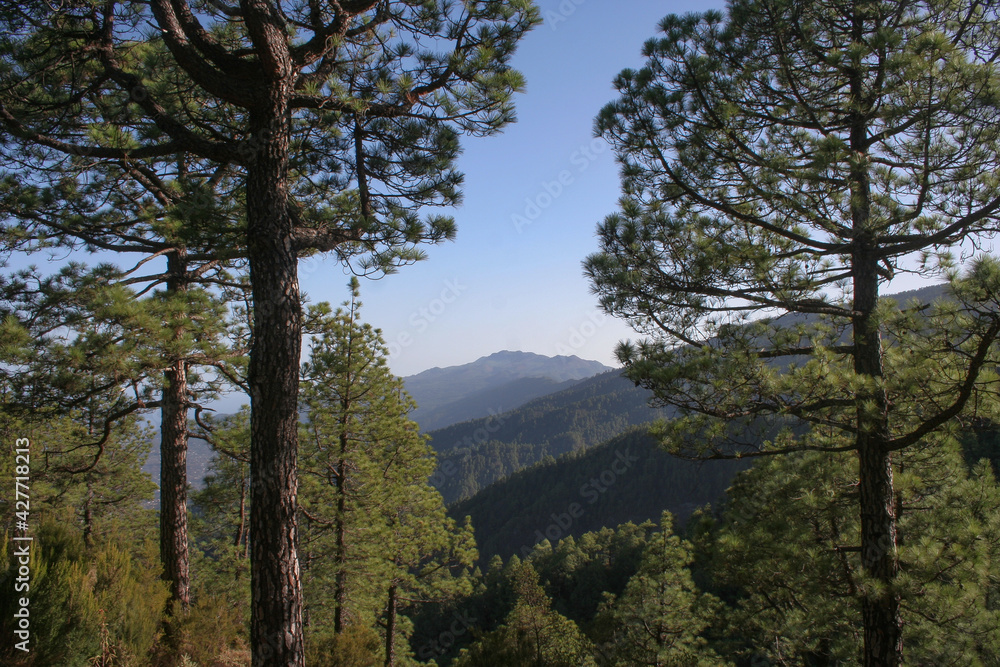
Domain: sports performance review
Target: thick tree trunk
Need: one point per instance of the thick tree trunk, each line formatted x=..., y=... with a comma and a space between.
x=276, y=616
x=883, y=638
x=173, y=483
x=173, y=461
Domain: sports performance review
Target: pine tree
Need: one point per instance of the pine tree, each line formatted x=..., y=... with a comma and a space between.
x=771, y=157
x=660, y=616
x=341, y=121
x=375, y=536
x=783, y=553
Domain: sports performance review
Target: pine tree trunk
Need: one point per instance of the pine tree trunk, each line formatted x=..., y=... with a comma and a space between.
x=173, y=459
x=883, y=637
x=390, y=629
x=340, y=535
x=276, y=588
x=173, y=483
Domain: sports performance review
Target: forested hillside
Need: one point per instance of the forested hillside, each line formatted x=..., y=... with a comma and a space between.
x=474, y=454
x=626, y=479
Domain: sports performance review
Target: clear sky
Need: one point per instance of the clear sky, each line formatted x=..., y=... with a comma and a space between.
x=533, y=198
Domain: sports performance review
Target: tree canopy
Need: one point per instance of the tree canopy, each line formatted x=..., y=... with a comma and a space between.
x=789, y=159
x=339, y=122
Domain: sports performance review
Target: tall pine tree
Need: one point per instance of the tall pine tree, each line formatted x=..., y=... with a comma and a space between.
x=791, y=158
x=342, y=121
x=375, y=537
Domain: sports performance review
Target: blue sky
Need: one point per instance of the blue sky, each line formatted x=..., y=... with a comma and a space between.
x=533, y=198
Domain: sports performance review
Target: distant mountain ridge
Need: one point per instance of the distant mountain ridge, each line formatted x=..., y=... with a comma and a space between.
x=490, y=401
x=496, y=383
x=478, y=452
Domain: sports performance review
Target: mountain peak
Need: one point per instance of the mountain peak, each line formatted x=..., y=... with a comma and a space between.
x=513, y=355
x=499, y=374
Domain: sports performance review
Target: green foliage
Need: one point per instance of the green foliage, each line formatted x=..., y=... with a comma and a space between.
x=212, y=632
x=67, y=484
x=356, y=646
x=578, y=575
x=532, y=634
x=78, y=593
x=627, y=478
x=221, y=507
x=220, y=525
x=785, y=555
x=659, y=618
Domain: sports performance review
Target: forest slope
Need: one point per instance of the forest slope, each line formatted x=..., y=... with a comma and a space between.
x=627, y=478
x=473, y=454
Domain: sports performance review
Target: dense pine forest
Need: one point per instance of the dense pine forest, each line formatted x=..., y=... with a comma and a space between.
x=792, y=467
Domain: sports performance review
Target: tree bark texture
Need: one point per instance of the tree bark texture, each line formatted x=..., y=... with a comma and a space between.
x=173, y=483
x=273, y=377
x=276, y=615
x=883, y=637
x=173, y=461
